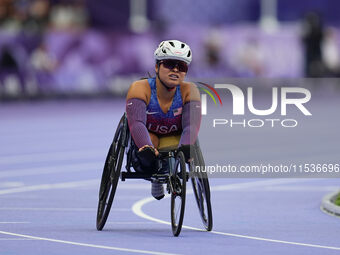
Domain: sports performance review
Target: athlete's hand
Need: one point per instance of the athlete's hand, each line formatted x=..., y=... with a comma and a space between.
x=187, y=149
x=145, y=146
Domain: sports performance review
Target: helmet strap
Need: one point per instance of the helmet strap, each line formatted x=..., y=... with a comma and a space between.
x=165, y=86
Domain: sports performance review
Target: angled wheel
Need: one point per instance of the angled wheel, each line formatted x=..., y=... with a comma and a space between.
x=178, y=192
x=111, y=172
x=201, y=188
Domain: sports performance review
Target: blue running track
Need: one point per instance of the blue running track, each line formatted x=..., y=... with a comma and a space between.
x=51, y=159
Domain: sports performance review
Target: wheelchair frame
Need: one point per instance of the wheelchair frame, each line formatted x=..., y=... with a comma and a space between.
x=175, y=179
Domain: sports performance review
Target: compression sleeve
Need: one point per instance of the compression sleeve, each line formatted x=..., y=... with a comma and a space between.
x=136, y=115
x=191, y=121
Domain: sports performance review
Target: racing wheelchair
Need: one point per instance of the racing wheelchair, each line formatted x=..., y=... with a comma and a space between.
x=175, y=177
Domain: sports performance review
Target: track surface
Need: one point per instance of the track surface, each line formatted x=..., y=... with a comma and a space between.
x=51, y=158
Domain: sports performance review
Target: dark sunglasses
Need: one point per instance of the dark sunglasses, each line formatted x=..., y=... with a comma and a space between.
x=171, y=64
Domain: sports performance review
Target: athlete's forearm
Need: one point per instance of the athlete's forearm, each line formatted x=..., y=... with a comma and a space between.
x=136, y=115
x=191, y=121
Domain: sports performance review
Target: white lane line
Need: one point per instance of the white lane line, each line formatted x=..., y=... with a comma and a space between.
x=14, y=222
x=137, y=209
x=262, y=183
x=301, y=188
x=62, y=185
x=65, y=185
x=129, y=186
x=17, y=239
x=59, y=209
x=60, y=168
x=86, y=244
x=48, y=156
x=11, y=184
x=130, y=222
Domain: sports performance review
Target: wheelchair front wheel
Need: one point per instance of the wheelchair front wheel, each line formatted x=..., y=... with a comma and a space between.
x=178, y=193
x=110, y=176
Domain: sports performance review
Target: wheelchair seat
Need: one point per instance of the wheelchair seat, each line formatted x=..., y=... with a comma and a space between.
x=168, y=143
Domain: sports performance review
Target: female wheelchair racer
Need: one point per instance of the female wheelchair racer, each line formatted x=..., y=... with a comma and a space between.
x=166, y=108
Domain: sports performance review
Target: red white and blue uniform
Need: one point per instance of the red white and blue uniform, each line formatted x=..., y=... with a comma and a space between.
x=159, y=122
x=179, y=119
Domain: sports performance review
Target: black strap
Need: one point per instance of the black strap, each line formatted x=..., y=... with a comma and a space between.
x=168, y=88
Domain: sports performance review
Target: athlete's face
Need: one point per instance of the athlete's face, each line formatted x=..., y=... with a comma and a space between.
x=172, y=72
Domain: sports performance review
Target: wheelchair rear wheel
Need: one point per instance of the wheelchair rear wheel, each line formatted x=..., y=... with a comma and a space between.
x=201, y=188
x=178, y=183
x=110, y=176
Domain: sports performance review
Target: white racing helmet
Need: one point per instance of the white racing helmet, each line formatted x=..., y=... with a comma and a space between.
x=173, y=49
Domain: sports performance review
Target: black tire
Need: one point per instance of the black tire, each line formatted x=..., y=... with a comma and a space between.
x=178, y=182
x=201, y=188
x=111, y=173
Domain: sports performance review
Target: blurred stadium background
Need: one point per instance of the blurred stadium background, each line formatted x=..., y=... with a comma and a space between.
x=84, y=47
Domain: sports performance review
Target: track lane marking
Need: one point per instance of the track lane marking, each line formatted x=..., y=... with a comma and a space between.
x=62, y=185
x=59, y=209
x=17, y=239
x=86, y=244
x=14, y=222
x=48, y=156
x=60, y=168
x=137, y=209
x=129, y=222
x=65, y=185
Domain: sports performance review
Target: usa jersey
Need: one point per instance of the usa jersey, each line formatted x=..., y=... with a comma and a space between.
x=159, y=122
